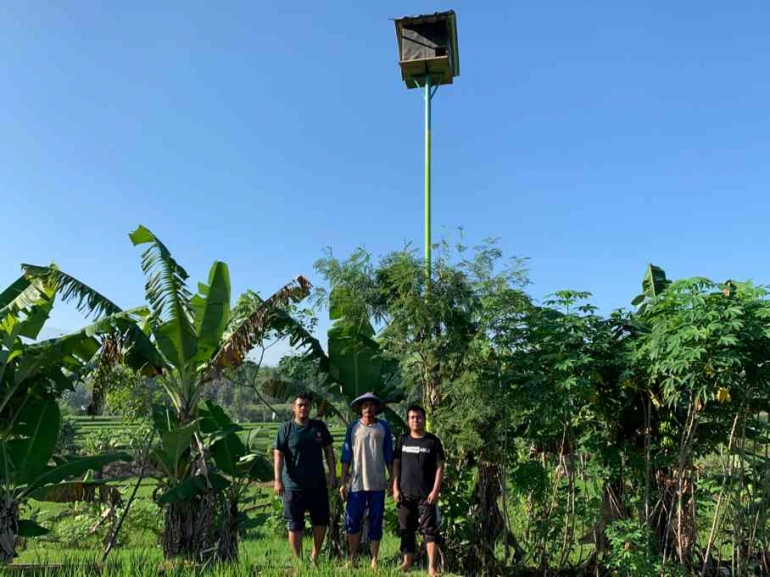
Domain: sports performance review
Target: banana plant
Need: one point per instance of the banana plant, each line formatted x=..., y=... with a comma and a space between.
x=32, y=376
x=26, y=454
x=355, y=364
x=188, y=331
x=358, y=365
x=193, y=342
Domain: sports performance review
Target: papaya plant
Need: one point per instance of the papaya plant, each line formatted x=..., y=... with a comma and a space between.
x=703, y=363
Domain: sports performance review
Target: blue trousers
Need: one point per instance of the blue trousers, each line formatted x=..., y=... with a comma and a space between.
x=358, y=503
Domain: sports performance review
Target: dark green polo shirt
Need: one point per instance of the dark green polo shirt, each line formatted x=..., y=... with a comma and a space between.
x=302, y=449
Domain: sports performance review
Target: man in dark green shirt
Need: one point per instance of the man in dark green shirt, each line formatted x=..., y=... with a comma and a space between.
x=299, y=474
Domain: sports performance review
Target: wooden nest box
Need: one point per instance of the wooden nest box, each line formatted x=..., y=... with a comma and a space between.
x=427, y=47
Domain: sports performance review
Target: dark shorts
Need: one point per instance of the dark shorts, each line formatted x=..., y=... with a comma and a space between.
x=297, y=502
x=414, y=513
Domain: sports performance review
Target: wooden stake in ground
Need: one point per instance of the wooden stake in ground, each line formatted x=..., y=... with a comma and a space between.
x=114, y=536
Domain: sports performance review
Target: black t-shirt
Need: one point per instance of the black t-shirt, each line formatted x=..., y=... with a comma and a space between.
x=302, y=449
x=419, y=461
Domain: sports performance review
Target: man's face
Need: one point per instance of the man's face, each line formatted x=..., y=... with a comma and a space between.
x=301, y=409
x=416, y=421
x=368, y=409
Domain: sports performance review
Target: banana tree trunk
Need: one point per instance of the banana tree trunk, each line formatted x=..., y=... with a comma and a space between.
x=190, y=530
x=9, y=528
x=228, y=535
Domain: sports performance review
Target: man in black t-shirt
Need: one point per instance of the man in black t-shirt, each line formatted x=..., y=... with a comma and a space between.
x=418, y=469
x=300, y=445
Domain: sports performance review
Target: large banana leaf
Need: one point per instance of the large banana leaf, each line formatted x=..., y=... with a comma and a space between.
x=20, y=294
x=27, y=302
x=653, y=284
x=299, y=337
x=255, y=467
x=355, y=361
x=211, y=307
x=73, y=466
x=35, y=318
x=184, y=491
x=12, y=292
x=358, y=365
x=169, y=299
x=89, y=300
x=228, y=450
x=51, y=356
x=253, y=330
x=138, y=351
x=175, y=443
x=34, y=432
x=230, y=454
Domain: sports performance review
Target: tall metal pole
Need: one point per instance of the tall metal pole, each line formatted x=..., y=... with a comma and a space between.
x=427, y=179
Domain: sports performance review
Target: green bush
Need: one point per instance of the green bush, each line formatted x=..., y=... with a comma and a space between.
x=631, y=551
x=81, y=528
x=144, y=516
x=101, y=440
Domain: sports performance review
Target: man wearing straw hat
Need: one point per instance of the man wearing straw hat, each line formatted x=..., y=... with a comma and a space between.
x=366, y=453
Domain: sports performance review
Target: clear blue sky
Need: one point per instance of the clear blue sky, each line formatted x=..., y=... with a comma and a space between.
x=591, y=137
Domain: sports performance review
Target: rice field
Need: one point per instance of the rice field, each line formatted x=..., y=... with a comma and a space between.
x=260, y=434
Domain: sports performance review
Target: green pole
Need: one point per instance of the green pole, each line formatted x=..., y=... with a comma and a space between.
x=427, y=178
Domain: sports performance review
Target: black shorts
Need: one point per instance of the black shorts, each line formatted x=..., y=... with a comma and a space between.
x=297, y=502
x=416, y=513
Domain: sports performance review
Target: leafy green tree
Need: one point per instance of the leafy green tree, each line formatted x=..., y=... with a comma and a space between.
x=440, y=334
x=130, y=395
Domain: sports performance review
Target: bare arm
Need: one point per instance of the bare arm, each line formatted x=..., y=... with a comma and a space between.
x=344, y=480
x=433, y=497
x=332, y=464
x=277, y=472
x=394, y=478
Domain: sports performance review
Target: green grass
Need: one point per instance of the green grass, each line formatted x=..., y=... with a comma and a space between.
x=141, y=565
x=263, y=551
x=260, y=556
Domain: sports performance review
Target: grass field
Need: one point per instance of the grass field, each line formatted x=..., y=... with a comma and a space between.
x=75, y=541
